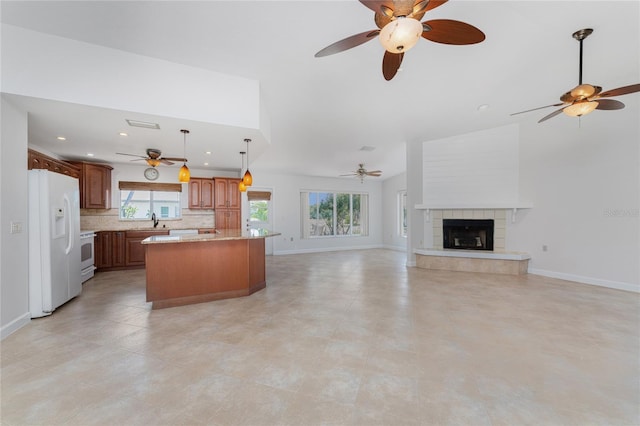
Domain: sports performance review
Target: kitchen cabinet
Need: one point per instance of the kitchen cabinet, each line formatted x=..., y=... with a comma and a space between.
x=110, y=249
x=122, y=249
x=227, y=193
x=118, y=247
x=227, y=219
x=134, y=250
x=227, y=205
x=95, y=185
x=201, y=193
x=37, y=160
x=102, y=249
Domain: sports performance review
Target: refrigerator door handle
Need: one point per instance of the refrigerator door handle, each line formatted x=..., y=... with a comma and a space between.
x=70, y=236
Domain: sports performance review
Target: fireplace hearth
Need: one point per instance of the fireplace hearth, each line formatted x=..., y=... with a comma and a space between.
x=468, y=234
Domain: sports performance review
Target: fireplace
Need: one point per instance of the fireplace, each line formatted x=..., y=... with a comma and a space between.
x=467, y=234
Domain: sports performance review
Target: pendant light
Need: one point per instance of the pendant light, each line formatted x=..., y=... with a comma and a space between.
x=241, y=186
x=184, y=175
x=247, y=178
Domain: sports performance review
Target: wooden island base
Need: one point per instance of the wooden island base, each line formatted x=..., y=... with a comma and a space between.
x=186, y=272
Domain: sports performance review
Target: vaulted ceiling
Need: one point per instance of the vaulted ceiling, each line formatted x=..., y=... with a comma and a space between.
x=324, y=110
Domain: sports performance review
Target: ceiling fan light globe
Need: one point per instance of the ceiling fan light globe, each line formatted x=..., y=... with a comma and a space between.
x=578, y=109
x=401, y=34
x=184, y=175
x=153, y=162
x=583, y=91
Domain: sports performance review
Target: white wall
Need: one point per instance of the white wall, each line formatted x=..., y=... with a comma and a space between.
x=51, y=67
x=419, y=234
x=286, y=218
x=582, y=178
x=14, y=288
x=390, y=212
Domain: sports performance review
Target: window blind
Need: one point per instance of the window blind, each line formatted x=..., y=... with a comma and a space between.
x=149, y=186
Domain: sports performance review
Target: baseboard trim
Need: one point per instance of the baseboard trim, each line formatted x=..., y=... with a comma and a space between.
x=15, y=325
x=395, y=248
x=323, y=250
x=617, y=285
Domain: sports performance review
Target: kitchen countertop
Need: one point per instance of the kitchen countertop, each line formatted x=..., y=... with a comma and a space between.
x=223, y=234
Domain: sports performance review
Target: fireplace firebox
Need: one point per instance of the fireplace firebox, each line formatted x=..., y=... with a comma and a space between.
x=467, y=234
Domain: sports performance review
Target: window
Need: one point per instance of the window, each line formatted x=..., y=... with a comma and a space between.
x=402, y=213
x=138, y=201
x=326, y=214
x=259, y=206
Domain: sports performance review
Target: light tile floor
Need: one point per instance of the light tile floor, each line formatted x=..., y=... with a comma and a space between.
x=342, y=338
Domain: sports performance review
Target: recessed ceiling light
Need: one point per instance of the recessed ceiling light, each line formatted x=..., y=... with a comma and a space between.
x=144, y=124
x=123, y=134
x=483, y=107
x=89, y=154
x=206, y=164
x=61, y=138
x=208, y=152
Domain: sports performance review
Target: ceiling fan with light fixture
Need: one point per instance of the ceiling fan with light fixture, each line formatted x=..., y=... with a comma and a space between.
x=154, y=157
x=584, y=98
x=400, y=29
x=361, y=172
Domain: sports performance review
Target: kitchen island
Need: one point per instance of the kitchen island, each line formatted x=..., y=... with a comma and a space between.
x=186, y=269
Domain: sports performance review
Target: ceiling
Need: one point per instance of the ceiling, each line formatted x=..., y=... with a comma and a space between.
x=324, y=110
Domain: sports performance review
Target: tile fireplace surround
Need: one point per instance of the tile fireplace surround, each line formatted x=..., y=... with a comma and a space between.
x=498, y=261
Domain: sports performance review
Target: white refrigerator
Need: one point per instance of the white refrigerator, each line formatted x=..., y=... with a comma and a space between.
x=54, y=241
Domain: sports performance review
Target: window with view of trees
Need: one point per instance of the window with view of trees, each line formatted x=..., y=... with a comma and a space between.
x=139, y=200
x=326, y=214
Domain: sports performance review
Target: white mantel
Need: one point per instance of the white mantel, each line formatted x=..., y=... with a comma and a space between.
x=513, y=207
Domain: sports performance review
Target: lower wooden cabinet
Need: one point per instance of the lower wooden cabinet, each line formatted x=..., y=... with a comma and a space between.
x=121, y=249
x=118, y=247
x=227, y=219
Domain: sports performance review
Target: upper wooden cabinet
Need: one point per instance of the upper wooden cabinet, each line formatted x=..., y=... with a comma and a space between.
x=227, y=193
x=37, y=160
x=95, y=185
x=201, y=193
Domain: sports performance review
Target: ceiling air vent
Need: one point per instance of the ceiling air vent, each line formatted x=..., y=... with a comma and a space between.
x=367, y=148
x=143, y=124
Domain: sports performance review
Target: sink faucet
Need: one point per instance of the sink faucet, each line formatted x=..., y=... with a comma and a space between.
x=155, y=221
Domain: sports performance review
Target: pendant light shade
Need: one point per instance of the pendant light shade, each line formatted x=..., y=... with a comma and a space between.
x=241, y=186
x=247, y=179
x=184, y=175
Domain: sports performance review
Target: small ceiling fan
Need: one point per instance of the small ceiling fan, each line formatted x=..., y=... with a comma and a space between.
x=400, y=29
x=361, y=172
x=154, y=157
x=584, y=98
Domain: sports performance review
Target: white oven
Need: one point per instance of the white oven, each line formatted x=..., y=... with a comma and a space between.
x=87, y=264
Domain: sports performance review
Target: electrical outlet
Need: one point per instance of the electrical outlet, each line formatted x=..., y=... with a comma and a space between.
x=16, y=227
x=544, y=247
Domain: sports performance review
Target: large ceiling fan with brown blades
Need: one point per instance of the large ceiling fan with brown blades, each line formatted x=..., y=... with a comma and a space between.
x=399, y=29
x=584, y=98
x=154, y=157
x=361, y=172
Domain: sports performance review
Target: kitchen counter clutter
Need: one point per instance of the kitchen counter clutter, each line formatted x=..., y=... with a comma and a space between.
x=186, y=269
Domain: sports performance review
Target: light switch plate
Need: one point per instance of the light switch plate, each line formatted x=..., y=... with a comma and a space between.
x=16, y=227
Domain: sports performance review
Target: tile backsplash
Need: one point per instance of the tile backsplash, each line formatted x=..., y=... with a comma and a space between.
x=109, y=220
x=499, y=217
